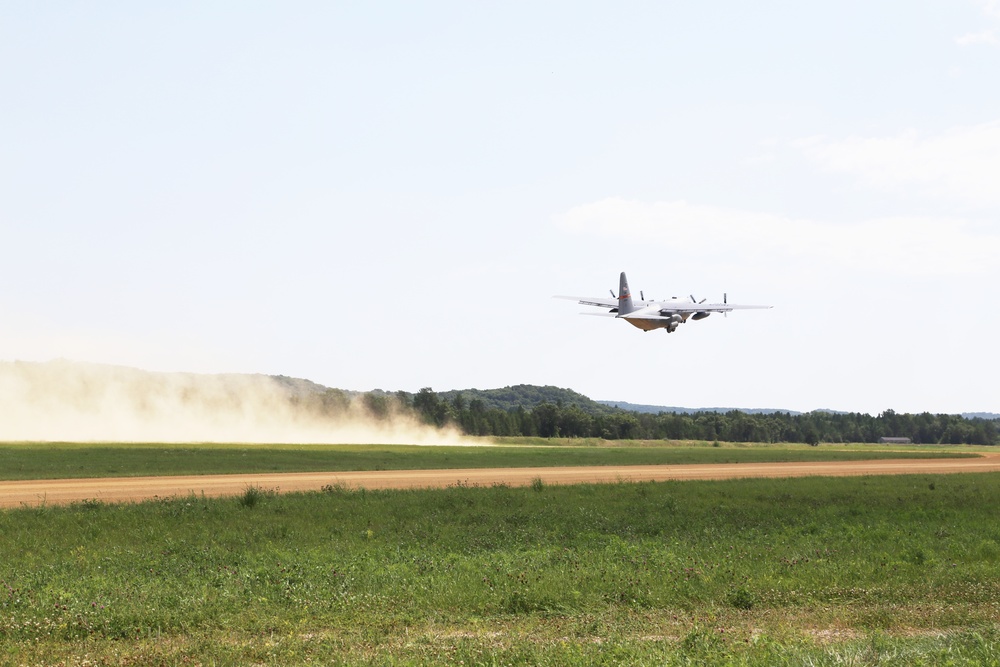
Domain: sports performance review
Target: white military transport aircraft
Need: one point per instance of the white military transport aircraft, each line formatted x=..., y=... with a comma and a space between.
x=649, y=315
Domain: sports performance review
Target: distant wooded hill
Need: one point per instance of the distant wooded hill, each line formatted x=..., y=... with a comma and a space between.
x=656, y=409
x=981, y=415
x=527, y=396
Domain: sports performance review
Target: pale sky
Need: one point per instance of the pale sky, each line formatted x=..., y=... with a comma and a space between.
x=387, y=195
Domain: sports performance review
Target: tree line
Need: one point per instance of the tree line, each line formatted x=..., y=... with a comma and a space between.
x=570, y=421
x=556, y=419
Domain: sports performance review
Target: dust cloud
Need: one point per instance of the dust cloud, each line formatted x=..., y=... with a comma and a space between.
x=64, y=401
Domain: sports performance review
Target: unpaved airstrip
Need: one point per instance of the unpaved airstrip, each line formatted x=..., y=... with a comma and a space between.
x=131, y=489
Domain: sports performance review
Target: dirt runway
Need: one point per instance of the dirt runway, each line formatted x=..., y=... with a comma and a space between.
x=128, y=489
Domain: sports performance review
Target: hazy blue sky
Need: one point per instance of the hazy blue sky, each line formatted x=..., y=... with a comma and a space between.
x=386, y=195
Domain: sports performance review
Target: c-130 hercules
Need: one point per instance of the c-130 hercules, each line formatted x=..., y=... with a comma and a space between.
x=649, y=315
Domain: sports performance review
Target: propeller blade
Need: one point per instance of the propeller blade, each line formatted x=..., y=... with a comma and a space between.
x=612, y=294
x=693, y=300
x=641, y=295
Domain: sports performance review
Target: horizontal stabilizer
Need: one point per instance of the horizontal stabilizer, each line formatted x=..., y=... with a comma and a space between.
x=600, y=302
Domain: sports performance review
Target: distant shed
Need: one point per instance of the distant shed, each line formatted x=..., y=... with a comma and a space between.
x=894, y=441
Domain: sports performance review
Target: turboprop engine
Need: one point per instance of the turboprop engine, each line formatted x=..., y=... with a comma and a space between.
x=699, y=316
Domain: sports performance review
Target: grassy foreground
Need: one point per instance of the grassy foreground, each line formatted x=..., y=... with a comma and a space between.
x=817, y=571
x=63, y=460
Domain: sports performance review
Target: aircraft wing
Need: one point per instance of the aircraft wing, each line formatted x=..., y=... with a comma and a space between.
x=667, y=308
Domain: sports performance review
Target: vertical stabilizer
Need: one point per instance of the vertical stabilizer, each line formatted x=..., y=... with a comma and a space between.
x=624, y=297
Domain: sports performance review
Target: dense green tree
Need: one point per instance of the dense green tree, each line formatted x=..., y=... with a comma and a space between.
x=403, y=400
x=546, y=418
x=378, y=405
x=334, y=402
x=430, y=408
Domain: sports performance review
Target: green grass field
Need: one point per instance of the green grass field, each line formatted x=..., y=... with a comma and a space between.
x=813, y=571
x=61, y=460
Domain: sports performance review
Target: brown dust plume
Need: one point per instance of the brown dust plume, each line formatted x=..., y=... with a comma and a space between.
x=64, y=401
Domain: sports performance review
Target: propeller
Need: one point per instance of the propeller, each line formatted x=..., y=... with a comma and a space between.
x=641, y=295
x=694, y=300
x=612, y=294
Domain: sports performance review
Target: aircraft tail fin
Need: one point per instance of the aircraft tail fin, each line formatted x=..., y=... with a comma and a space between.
x=624, y=297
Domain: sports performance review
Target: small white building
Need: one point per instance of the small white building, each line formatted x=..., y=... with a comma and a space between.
x=894, y=441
